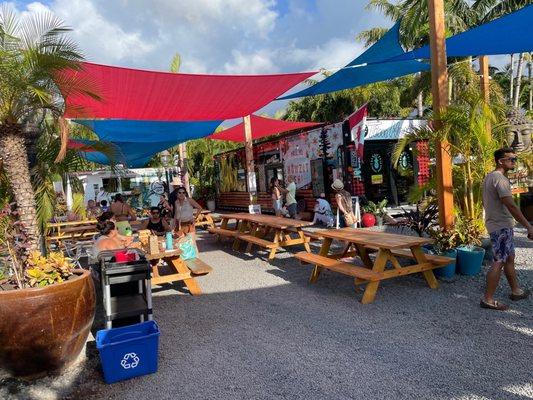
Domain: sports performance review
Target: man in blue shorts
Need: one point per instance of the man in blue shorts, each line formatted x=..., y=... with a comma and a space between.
x=500, y=213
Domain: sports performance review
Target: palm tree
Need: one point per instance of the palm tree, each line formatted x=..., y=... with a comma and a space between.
x=34, y=52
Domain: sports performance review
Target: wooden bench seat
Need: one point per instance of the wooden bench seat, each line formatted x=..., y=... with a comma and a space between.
x=258, y=241
x=198, y=267
x=308, y=234
x=225, y=232
x=339, y=266
x=435, y=259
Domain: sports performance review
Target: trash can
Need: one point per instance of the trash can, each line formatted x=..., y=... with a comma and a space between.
x=129, y=351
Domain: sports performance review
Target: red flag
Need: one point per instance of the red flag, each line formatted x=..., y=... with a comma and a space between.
x=357, y=122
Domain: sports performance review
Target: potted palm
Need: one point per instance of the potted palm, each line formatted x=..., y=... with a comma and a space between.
x=210, y=196
x=444, y=244
x=46, y=307
x=469, y=253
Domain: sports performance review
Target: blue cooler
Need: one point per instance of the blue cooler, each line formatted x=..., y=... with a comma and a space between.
x=129, y=351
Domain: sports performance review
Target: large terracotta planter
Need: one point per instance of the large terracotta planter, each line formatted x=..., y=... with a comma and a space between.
x=44, y=329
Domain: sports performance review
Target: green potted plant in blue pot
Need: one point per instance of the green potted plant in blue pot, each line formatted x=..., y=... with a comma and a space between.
x=469, y=253
x=444, y=244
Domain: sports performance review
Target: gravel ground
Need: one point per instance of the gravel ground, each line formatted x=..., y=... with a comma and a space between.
x=260, y=331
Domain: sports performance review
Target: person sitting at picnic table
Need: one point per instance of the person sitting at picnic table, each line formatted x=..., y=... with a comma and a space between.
x=155, y=223
x=344, y=203
x=290, y=196
x=93, y=211
x=323, y=213
x=109, y=238
x=122, y=210
x=276, y=196
x=184, y=212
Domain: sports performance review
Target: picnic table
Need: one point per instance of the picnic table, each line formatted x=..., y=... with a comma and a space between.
x=389, y=248
x=204, y=218
x=256, y=229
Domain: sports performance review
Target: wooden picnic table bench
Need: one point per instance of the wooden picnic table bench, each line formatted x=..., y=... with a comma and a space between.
x=256, y=229
x=388, y=246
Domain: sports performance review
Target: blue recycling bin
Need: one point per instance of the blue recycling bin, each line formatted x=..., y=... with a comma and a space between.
x=128, y=351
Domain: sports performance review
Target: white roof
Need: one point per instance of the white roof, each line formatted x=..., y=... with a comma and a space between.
x=391, y=129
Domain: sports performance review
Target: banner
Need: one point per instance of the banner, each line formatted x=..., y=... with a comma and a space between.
x=357, y=123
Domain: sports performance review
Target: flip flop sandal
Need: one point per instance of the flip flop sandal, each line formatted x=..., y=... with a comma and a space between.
x=495, y=306
x=522, y=296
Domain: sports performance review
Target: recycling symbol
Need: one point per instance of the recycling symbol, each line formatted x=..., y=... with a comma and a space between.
x=130, y=360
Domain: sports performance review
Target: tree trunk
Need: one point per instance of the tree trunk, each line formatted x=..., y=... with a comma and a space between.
x=516, y=100
x=15, y=159
x=530, y=67
x=511, y=80
x=420, y=104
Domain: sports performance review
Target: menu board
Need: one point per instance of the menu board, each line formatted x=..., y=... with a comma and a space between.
x=296, y=161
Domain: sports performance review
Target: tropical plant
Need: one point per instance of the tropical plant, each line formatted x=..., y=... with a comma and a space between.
x=444, y=239
x=469, y=230
x=34, y=54
x=47, y=270
x=421, y=219
x=377, y=209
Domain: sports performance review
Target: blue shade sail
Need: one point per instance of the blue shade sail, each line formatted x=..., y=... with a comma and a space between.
x=354, y=74
x=512, y=33
x=385, y=48
x=113, y=130
x=357, y=76
x=131, y=154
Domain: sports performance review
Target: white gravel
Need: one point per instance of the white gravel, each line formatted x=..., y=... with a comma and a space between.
x=260, y=331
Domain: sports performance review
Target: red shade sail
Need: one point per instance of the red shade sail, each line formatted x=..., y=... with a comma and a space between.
x=163, y=96
x=261, y=127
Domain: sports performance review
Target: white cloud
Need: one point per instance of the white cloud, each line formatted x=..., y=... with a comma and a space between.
x=335, y=53
x=259, y=62
x=215, y=36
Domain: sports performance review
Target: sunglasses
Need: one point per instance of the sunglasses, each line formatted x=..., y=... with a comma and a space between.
x=181, y=192
x=155, y=212
x=512, y=159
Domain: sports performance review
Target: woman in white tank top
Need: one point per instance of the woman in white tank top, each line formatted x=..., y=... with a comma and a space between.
x=184, y=212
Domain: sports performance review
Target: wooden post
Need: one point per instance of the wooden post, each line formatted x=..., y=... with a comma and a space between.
x=485, y=78
x=485, y=85
x=250, y=167
x=439, y=88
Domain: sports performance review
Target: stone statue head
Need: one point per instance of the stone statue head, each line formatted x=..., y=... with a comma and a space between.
x=519, y=131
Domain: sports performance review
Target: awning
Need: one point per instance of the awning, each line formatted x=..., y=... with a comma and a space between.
x=132, y=94
x=357, y=73
x=512, y=33
x=261, y=127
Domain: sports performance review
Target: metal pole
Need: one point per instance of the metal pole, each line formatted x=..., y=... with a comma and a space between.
x=439, y=87
x=250, y=167
x=485, y=85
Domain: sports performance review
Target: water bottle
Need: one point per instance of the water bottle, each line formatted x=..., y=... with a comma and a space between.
x=169, y=241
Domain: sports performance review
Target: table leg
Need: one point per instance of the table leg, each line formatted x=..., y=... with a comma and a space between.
x=304, y=239
x=324, y=250
x=223, y=225
x=275, y=248
x=254, y=231
x=181, y=268
x=363, y=255
x=372, y=287
x=420, y=258
x=241, y=227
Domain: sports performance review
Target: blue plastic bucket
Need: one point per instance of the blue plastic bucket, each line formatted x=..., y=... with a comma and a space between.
x=447, y=271
x=129, y=351
x=469, y=260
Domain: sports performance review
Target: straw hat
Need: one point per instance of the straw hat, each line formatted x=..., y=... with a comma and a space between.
x=337, y=184
x=176, y=181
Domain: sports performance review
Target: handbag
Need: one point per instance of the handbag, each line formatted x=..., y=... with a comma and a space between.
x=187, y=247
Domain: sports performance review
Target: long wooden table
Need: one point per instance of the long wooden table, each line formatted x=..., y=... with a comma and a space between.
x=256, y=229
x=388, y=246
